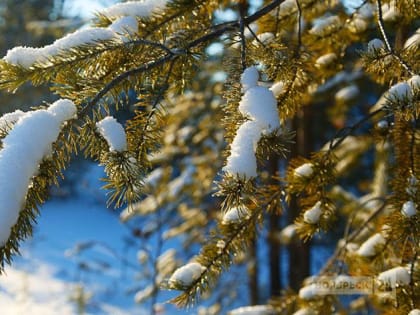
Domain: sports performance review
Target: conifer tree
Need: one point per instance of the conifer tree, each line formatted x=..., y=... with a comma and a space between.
x=210, y=164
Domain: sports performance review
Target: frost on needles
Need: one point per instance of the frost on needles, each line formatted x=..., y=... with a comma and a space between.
x=23, y=149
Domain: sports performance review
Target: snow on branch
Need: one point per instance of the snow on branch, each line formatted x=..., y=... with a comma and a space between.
x=24, y=148
x=259, y=105
x=113, y=132
x=27, y=57
x=134, y=8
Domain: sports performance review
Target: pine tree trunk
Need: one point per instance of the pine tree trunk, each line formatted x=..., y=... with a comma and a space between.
x=299, y=253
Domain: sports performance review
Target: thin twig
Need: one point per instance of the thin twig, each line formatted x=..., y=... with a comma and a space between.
x=385, y=37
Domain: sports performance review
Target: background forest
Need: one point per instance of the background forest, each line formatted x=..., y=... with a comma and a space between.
x=222, y=156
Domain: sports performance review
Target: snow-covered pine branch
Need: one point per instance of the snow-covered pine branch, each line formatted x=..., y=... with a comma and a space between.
x=26, y=145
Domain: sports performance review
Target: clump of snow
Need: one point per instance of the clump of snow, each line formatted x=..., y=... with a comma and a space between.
x=374, y=45
x=124, y=25
x=400, y=91
x=287, y=7
x=412, y=186
x=277, y=88
x=186, y=275
x=313, y=214
x=24, y=148
x=414, y=81
x=249, y=78
x=348, y=93
x=113, y=132
x=264, y=37
x=7, y=120
x=358, y=25
x=395, y=276
x=309, y=292
x=260, y=106
x=369, y=247
x=134, y=8
x=409, y=209
x=413, y=40
x=321, y=25
x=235, y=215
x=325, y=60
x=390, y=12
x=26, y=57
x=305, y=170
x=414, y=312
x=287, y=234
x=304, y=311
x=253, y=310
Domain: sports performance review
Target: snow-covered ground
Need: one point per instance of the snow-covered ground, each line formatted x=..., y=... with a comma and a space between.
x=46, y=278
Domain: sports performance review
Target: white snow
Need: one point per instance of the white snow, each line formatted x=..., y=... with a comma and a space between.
x=400, y=91
x=390, y=12
x=249, y=78
x=348, y=93
x=309, y=292
x=287, y=7
x=304, y=311
x=325, y=60
x=409, y=209
x=134, y=8
x=253, y=310
x=124, y=25
x=24, y=147
x=305, y=170
x=242, y=160
x=235, y=215
x=414, y=312
x=265, y=37
x=8, y=119
x=260, y=106
x=277, y=88
x=35, y=292
x=113, y=132
x=368, y=248
x=312, y=215
x=394, y=276
x=28, y=56
x=287, y=234
x=411, y=189
x=187, y=274
x=321, y=25
x=374, y=45
x=413, y=40
x=414, y=81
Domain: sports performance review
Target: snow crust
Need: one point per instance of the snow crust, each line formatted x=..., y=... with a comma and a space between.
x=260, y=106
x=312, y=215
x=134, y=8
x=113, y=132
x=413, y=40
x=368, y=248
x=394, y=276
x=187, y=274
x=409, y=209
x=28, y=142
